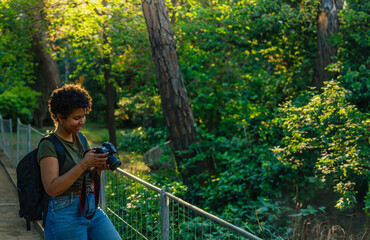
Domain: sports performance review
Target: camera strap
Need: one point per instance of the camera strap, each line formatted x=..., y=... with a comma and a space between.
x=83, y=195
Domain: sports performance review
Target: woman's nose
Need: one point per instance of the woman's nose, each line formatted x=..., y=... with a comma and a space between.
x=82, y=121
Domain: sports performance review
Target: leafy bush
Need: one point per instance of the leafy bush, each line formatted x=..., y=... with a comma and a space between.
x=327, y=138
x=18, y=102
x=141, y=139
x=237, y=53
x=353, y=51
x=16, y=60
x=139, y=110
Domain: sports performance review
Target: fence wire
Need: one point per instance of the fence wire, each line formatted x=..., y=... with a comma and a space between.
x=27, y=140
x=132, y=208
x=7, y=138
x=140, y=210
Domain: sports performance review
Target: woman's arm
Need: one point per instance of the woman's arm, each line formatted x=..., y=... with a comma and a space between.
x=54, y=184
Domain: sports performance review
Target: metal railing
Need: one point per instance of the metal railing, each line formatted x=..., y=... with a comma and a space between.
x=138, y=209
x=7, y=138
x=27, y=139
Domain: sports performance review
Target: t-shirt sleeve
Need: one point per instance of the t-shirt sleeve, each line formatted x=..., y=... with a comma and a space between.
x=46, y=149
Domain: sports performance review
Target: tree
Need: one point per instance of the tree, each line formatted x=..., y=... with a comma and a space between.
x=109, y=87
x=47, y=76
x=327, y=25
x=175, y=103
x=88, y=42
x=25, y=55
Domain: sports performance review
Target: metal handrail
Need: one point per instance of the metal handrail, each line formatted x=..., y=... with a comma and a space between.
x=205, y=214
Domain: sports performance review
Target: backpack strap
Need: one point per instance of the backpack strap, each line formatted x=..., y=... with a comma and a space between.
x=61, y=155
x=82, y=139
x=61, y=152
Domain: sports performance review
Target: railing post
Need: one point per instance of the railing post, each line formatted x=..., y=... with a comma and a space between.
x=2, y=133
x=102, y=192
x=17, y=154
x=11, y=142
x=28, y=138
x=165, y=215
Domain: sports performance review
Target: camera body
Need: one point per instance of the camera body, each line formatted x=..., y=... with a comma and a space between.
x=112, y=160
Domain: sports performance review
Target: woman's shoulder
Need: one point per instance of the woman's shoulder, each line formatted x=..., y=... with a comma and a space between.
x=46, y=149
x=46, y=143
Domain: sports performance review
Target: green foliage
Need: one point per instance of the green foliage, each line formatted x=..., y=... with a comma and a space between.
x=18, y=102
x=310, y=210
x=16, y=63
x=353, y=42
x=233, y=54
x=86, y=35
x=240, y=60
x=139, y=110
x=146, y=138
x=325, y=137
x=367, y=202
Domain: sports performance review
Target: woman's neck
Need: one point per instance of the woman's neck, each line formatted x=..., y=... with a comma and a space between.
x=64, y=134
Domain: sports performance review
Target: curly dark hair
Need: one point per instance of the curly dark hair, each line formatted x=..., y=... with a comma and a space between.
x=68, y=98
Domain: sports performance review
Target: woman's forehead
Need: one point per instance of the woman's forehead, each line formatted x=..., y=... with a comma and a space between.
x=78, y=112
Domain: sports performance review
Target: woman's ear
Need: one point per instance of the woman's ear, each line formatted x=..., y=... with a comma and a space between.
x=59, y=117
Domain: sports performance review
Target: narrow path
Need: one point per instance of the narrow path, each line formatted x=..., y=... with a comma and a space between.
x=12, y=227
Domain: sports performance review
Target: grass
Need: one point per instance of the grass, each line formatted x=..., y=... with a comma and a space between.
x=95, y=136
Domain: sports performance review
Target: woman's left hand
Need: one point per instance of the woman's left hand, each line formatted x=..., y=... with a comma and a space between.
x=100, y=169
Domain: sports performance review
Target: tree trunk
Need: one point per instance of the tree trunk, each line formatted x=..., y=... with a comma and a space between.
x=175, y=103
x=46, y=69
x=109, y=94
x=327, y=24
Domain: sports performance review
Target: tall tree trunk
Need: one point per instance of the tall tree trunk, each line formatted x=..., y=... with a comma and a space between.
x=109, y=94
x=175, y=103
x=327, y=25
x=46, y=70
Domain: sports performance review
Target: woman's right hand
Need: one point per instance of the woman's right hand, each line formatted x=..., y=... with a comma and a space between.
x=91, y=159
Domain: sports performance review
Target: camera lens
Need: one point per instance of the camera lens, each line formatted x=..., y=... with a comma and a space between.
x=113, y=162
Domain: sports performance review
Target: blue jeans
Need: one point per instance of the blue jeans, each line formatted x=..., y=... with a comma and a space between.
x=64, y=221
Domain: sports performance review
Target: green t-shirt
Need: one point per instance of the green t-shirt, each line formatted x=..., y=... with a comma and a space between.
x=74, y=155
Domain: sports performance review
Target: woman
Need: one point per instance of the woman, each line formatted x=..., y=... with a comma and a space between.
x=68, y=107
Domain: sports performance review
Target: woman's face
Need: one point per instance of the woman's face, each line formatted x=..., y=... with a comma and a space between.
x=74, y=121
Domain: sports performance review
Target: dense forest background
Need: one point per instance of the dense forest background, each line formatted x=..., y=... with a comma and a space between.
x=279, y=91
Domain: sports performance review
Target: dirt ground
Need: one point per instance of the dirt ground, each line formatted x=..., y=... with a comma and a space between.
x=12, y=227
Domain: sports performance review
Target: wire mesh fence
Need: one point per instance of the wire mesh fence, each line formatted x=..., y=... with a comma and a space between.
x=16, y=146
x=138, y=209
x=7, y=138
x=132, y=208
x=27, y=140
